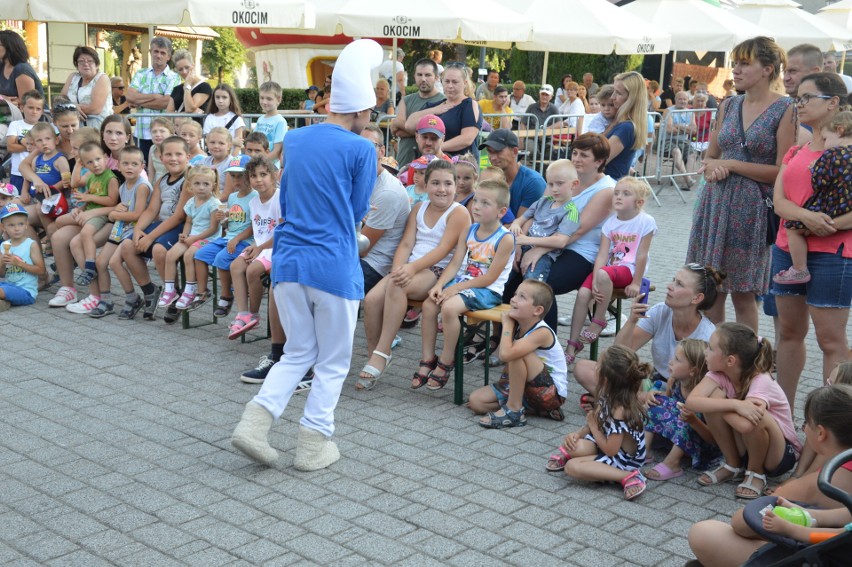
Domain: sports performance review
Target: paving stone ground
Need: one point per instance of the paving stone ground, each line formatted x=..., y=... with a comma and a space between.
x=115, y=451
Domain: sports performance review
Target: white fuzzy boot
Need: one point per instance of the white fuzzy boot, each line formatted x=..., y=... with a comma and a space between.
x=251, y=434
x=314, y=450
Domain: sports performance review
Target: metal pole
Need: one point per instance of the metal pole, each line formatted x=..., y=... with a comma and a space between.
x=544, y=69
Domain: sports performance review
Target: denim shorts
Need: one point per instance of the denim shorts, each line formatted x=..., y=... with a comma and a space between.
x=477, y=298
x=216, y=253
x=831, y=278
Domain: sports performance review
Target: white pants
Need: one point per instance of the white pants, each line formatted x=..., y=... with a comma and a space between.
x=320, y=329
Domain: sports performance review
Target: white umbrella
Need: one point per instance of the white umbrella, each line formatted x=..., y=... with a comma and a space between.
x=225, y=13
x=596, y=26
x=791, y=26
x=695, y=25
x=840, y=14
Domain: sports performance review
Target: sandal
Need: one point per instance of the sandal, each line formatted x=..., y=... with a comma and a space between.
x=748, y=484
x=474, y=352
x=441, y=381
x=636, y=481
x=365, y=383
x=419, y=380
x=508, y=419
x=186, y=299
x=242, y=324
x=661, y=471
x=570, y=358
x=558, y=460
x=736, y=476
x=199, y=300
x=587, y=336
x=223, y=310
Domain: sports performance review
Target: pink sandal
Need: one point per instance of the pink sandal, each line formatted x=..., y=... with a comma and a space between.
x=167, y=298
x=185, y=300
x=558, y=460
x=570, y=358
x=587, y=336
x=243, y=324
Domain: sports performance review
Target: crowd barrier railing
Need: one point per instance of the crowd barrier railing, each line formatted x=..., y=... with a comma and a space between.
x=684, y=136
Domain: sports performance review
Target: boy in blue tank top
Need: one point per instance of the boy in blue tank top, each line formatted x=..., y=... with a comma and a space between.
x=535, y=377
x=473, y=280
x=21, y=261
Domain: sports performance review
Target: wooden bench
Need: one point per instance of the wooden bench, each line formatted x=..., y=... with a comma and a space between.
x=615, y=309
x=470, y=320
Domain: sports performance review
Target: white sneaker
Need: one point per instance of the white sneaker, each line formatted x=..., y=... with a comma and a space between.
x=610, y=326
x=564, y=321
x=63, y=297
x=84, y=306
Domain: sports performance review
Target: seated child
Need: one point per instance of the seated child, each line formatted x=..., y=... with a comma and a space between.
x=621, y=262
x=255, y=261
x=80, y=175
x=201, y=224
x=467, y=174
x=745, y=407
x=161, y=128
x=134, y=196
x=689, y=435
x=611, y=446
x=600, y=122
x=20, y=259
x=221, y=252
x=830, y=178
x=101, y=193
x=554, y=213
x=430, y=238
x=219, y=145
x=473, y=280
x=255, y=146
x=535, y=377
x=46, y=175
x=417, y=192
x=191, y=132
x=32, y=108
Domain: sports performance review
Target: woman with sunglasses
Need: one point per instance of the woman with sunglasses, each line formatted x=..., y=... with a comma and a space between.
x=752, y=133
x=693, y=289
x=88, y=88
x=826, y=298
x=461, y=114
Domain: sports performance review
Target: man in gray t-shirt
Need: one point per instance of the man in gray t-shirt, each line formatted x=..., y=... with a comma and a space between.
x=385, y=223
x=425, y=75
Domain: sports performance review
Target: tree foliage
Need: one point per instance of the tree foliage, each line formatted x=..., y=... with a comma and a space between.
x=223, y=55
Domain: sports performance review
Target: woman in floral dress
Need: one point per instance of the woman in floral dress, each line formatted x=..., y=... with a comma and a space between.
x=752, y=133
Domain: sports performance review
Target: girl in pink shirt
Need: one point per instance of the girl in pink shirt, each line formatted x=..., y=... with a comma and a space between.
x=746, y=410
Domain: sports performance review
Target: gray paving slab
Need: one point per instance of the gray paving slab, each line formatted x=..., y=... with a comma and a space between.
x=114, y=449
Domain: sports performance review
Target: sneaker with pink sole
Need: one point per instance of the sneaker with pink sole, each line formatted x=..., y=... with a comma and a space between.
x=792, y=276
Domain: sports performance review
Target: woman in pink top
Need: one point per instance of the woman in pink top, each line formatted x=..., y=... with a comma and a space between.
x=827, y=297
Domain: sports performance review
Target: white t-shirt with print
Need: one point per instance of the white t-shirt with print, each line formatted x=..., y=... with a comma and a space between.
x=625, y=237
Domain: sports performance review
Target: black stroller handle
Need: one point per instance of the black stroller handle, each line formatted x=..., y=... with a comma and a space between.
x=824, y=481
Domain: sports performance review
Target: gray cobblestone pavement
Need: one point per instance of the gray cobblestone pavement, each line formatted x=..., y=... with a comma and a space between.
x=114, y=450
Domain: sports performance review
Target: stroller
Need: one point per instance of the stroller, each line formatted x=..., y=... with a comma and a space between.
x=8, y=113
x=785, y=552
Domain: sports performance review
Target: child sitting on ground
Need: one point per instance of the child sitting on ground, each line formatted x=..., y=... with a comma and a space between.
x=832, y=194
x=134, y=196
x=220, y=253
x=474, y=278
x=20, y=259
x=621, y=262
x=688, y=433
x=554, y=213
x=255, y=261
x=201, y=223
x=535, y=378
x=161, y=128
x=101, y=193
x=745, y=408
x=611, y=446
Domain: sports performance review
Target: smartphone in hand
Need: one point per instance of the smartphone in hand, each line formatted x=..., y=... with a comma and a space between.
x=645, y=290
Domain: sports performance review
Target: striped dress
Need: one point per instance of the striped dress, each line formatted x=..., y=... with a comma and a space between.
x=622, y=460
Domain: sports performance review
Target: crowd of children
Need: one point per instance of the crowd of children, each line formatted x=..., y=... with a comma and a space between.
x=104, y=206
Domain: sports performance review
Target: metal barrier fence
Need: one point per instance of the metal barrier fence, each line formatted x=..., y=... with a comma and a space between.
x=684, y=136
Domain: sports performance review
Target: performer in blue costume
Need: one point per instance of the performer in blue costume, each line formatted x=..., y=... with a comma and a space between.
x=316, y=274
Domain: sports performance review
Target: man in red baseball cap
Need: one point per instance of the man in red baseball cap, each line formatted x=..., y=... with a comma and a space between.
x=429, y=136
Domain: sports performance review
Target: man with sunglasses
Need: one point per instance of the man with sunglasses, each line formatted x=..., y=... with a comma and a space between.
x=425, y=76
x=119, y=101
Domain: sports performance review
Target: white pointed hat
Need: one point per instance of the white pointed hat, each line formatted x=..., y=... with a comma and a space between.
x=351, y=83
